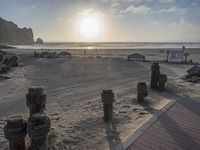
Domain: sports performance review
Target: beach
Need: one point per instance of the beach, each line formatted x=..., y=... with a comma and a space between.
x=74, y=85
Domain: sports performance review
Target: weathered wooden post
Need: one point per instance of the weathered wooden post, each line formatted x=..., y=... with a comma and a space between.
x=142, y=91
x=15, y=131
x=38, y=128
x=162, y=81
x=155, y=73
x=107, y=97
x=38, y=123
x=36, y=99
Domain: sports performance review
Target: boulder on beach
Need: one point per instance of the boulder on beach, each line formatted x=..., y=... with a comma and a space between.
x=14, y=61
x=195, y=79
x=136, y=56
x=9, y=59
x=3, y=69
x=64, y=54
x=194, y=71
x=39, y=41
x=48, y=54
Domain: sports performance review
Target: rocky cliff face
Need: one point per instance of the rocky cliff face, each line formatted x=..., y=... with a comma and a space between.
x=10, y=33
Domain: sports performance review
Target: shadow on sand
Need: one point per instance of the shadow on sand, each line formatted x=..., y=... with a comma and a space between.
x=147, y=106
x=112, y=135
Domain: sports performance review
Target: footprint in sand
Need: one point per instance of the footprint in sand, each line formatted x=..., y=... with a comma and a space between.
x=142, y=113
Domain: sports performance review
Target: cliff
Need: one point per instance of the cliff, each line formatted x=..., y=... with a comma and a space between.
x=10, y=33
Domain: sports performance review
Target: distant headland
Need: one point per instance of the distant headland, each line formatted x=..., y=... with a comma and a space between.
x=10, y=33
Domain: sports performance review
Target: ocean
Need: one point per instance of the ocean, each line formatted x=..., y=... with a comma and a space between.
x=110, y=45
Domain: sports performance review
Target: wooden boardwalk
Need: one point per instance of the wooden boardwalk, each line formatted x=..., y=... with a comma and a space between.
x=177, y=129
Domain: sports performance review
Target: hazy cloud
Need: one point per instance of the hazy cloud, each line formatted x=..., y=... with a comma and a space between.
x=167, y=1
x=182, y=23
x=33, y=6
x=137, y=10
x=174, y=10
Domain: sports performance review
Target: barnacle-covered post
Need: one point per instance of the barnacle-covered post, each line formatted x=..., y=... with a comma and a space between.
x=155, y=73
x=15, y=131
x=38, y=128
x=142, y=91
x=36, y=99
x=162, y=81
x=38, y=123
x=107, y=98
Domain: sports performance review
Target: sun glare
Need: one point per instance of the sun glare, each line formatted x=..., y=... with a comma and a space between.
x=89, y=28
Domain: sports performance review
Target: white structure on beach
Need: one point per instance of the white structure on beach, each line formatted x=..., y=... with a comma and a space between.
x=175, y=56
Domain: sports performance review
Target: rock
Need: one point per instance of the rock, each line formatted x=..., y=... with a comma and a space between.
x=64, y=54
x=195, y=79
x=9, y=59
x=10, y=33
x=193, y=71
x=136, y=56
x=3, y=69
x=14, y=61
x=48, y=54
x=39, y=41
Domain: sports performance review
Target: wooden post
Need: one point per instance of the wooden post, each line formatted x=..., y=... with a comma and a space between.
x=36, y=100
x=155, y=73
x=15, y=131
x=162, y=81
x=38, y=128
x=107, y=97
x=141, y=91
x=38, y=123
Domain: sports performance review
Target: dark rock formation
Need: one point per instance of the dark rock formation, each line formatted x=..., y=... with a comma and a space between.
x=39, y=41
x=10, y=33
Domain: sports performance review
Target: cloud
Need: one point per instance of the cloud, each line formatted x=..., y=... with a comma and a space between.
x=137, y=10
x=33, y=6
x=115, y=4
x=167, y=1
x=174, y=10
x=194, y=4
x=91, y=11
x=183, y=24
x=134, y=1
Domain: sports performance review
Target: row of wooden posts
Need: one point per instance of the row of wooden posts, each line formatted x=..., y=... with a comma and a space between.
x=38, y=124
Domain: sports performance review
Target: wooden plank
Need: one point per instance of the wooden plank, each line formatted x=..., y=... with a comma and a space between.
x=179, y=128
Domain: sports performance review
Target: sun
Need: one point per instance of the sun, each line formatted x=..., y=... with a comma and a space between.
x=89, y=28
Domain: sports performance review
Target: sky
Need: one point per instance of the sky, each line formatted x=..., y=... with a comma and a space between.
x=118, y=20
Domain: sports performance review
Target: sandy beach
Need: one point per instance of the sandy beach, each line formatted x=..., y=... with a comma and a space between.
x=73, y=87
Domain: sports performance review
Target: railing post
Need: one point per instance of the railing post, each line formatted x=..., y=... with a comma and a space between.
x=107, y=98
x=15, y=131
